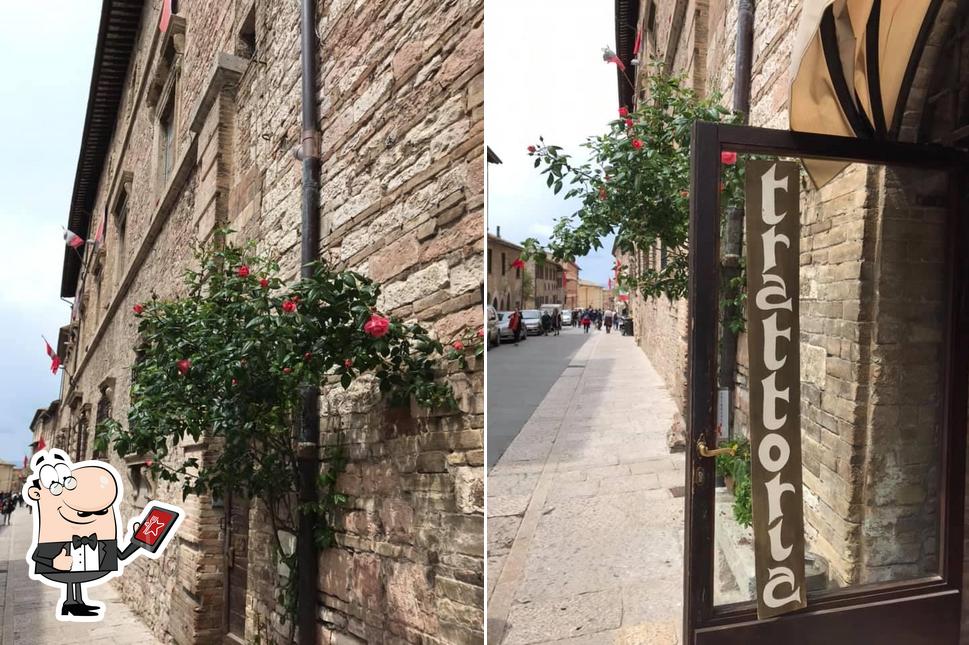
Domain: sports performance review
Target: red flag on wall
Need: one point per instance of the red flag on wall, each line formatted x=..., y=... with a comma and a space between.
x=41, y=444
x=99, y=236
x=55, y=360
x=610, y=56
x=72, y=239
x=169, y=9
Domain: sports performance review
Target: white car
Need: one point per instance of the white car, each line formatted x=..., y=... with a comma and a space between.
x=533, y=321
x=566, y=317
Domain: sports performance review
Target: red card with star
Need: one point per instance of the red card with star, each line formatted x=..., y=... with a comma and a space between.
x=155, y=527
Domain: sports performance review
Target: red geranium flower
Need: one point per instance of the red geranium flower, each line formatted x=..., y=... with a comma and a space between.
x=348, y=363
x=243, y=271
x=289, y=306
x=138, y=309
x=629, y=123
x=377, y=326
x=184, y=366
x=458, y=345
x=518, y=264
x=623, y=112
x=728, y=158
x=264, y=283
x=637, y=144
x=531, y=149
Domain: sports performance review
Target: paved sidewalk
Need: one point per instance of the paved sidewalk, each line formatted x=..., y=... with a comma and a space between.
x=585, y=510
x=27, y=607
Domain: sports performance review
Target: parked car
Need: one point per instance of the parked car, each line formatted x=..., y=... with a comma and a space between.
x=504, y=331
x=566, y=317
x=533, y=321
x=494, y=338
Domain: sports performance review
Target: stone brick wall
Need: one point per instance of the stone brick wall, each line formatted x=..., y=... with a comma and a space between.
x=401, y=101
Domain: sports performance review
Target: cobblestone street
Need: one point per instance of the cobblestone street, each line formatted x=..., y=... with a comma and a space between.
x=585, y=510
x=28, y=607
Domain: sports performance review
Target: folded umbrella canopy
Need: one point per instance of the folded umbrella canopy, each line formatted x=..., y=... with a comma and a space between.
x=852, y=63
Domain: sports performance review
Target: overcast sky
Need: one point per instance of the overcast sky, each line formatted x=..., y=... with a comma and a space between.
x=544, y=75
x=46, y=54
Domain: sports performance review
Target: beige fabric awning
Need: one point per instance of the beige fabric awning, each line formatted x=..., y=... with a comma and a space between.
x=851, y=63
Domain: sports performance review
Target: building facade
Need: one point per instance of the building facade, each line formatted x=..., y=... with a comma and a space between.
x=590, y=295
x=571, y=284
x=508, y=286
x=550, y=282
x=192, y=129
x=871, y=296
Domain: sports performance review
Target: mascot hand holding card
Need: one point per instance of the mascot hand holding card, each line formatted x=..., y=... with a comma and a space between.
x=76, y=521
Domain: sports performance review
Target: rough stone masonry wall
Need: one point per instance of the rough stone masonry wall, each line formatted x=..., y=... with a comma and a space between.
x=402, y=198
x=401, y=102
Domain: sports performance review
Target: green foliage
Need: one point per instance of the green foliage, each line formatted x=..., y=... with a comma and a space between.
x=742, y=506
x=229, y=362
x=636, y=185
x=738, y=467
x=733, y=304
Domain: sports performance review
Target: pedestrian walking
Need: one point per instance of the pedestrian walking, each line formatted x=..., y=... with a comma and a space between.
x=557, y=321
x=515, y=324
x=546, y=323
x=7, y=509
x=586, y=322
x=608, y=320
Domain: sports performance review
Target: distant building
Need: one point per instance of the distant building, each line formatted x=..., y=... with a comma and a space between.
x=571, y=284
x=590, y=295
x=9, y=477
x=549, y=284
x=505, y=282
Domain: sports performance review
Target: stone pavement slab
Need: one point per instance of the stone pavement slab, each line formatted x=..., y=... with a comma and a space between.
x=585, y=510
x=27, y=607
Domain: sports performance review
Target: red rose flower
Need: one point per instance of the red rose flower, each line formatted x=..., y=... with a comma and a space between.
x=235, y=381
x=518, y=264
x=184, y=366
x=377, y=326
x=138, y=309
x=684, y=194
x=458, y=345
x=348, y=363
x=287, y=370
x=243, y=271
x=289, y=306
x=264, y=283
x=481, y=333
x=629, y=123
x=531, y=149
x=623, y=112
x=728, y=158
x=149, y=462
x=308, y=356
x=637, y=144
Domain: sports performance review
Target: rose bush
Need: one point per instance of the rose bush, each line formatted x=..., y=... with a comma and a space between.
x=635, y=185
x=228, y=362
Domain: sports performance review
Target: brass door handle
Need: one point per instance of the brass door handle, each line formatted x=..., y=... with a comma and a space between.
x=701, y=447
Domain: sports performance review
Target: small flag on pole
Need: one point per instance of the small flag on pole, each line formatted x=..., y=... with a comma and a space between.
x=55, y=360
x=610, y=56
x=41, y=444
x=169, y=9
x=639, y=42
x=72, y=239
x=99, y=235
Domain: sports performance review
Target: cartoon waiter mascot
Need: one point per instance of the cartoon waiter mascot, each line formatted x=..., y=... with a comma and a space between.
x=76, y=520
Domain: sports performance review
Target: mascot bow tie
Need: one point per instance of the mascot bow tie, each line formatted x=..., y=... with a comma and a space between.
x=89, y=540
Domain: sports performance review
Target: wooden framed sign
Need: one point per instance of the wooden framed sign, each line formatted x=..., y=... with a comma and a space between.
x=773, y=234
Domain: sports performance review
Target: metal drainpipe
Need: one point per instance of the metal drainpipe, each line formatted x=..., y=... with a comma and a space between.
x=309, y=432
x=734, y=229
